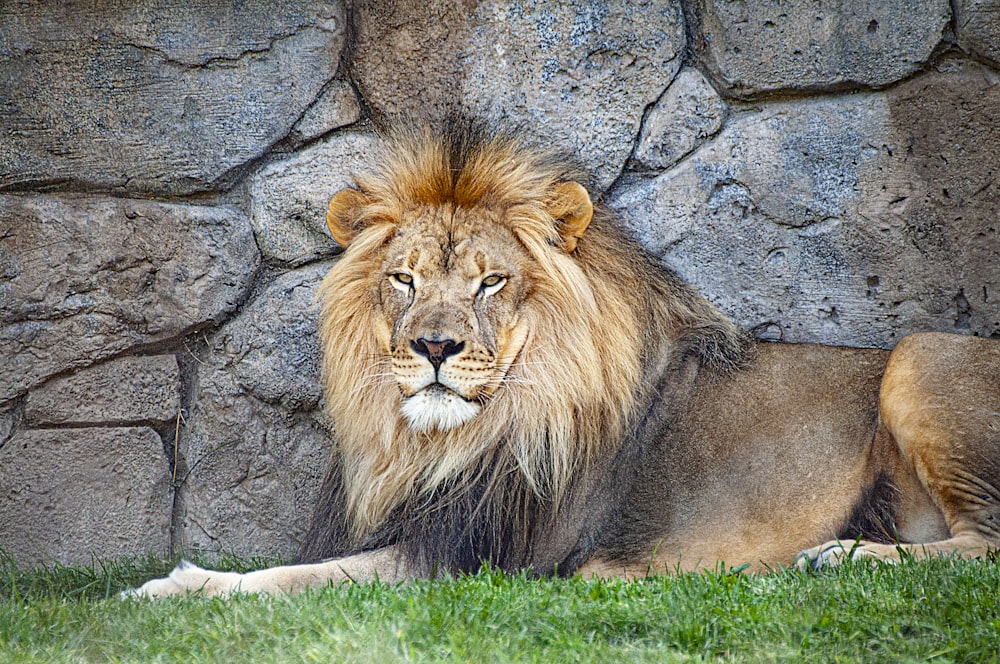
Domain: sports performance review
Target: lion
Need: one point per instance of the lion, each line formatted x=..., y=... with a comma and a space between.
x=515, y=382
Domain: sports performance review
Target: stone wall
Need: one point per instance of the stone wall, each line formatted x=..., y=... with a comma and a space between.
x=825, y=172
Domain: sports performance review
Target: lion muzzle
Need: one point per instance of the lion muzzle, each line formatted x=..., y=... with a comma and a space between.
x=437, y=403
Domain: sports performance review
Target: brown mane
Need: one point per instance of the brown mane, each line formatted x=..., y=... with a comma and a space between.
x=603, y=319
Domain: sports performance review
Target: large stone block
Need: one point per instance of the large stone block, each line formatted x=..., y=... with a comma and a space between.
x=753, y=48
x=850, y=220
x=579, y=74
x=289, y=197
x=272, y=346
x=978, y=23
x=689, y=113
x=84, y=279
x=255, y=444
x=70, y=495
x=162, y=96
x=128, y=390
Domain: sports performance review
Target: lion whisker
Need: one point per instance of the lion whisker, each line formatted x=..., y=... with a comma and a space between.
x=383, y=374
x=498, y=382
x=520, y=380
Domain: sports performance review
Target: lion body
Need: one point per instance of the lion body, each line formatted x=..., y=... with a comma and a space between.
x=514, y=381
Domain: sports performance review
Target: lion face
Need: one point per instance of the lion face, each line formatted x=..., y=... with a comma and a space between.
x=479, y=337
x=451, y=285
x=452, y=254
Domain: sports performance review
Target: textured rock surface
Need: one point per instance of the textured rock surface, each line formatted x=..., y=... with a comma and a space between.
x=289, y=197
x=8, y=420
x=69, y=495
x=689, y=112
x=978, y=23
x=157, y=96
x=579, y=74
x=336, y=107
x=851, y=221
x=254, y=443
x=129, y=390
x=83, y=279
x=825, y=171
x=757, y=47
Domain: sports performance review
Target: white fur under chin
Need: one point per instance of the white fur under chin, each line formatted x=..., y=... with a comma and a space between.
x=434, y=409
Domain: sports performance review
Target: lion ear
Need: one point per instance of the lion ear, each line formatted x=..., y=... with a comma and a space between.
x=572, y=209
x=343, y=215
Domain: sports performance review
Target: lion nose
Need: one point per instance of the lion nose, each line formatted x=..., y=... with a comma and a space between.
x=437, y=351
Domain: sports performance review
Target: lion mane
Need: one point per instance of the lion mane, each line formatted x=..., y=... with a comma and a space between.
x=605, y=324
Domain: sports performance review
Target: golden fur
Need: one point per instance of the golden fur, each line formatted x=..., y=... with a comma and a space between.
x=514, y=381
x=569, y=401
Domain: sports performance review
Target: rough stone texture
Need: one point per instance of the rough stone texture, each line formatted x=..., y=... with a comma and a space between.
x=851, y=220
x=9, y=419
x=579, y=74
x=689, y=112
x=255, y=443
x=83, y=279
x=336, y=107
x=128, y=390
x=288, y=198
x=753, y=48
x=978, y=23
x=69, y=495
x=834, y=217
x=163, y=96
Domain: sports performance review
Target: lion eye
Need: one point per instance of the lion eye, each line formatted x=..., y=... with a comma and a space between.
x=402, y=280
x=492, y=284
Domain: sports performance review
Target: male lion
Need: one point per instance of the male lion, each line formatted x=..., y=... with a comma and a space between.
x=513, y=381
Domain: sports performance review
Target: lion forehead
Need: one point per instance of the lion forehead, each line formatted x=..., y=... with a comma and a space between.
x=468, y=244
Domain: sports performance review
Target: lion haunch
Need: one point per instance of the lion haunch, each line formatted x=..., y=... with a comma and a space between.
x=513, y=381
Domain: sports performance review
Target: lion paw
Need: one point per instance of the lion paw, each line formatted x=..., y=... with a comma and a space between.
x=836, y=552
x=188, y=578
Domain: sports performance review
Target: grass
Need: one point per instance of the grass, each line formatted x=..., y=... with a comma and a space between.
x=941, y=610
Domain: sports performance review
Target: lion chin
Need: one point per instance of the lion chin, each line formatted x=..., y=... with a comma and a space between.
x=438, y=408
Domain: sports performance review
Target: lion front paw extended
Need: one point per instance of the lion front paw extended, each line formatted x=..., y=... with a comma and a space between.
x=836, y=552
x=188, y=578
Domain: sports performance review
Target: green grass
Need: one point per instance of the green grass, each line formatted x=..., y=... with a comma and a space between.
x=940, y=610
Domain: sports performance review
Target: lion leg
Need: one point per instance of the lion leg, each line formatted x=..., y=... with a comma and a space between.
x=383, y=564
x=940, y=402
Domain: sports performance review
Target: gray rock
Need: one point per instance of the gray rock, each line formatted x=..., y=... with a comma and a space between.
x=288, y=198
x=852, y=220
x=69, y=495
x=84, y=279
x=10, y=417
x=272, y=347
x=336, y=107
x=255, y=443
x=689, y=112
x=753, y=48
x=577, y=74
x=978, y=23
x=160, y=96
x=128, y=390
